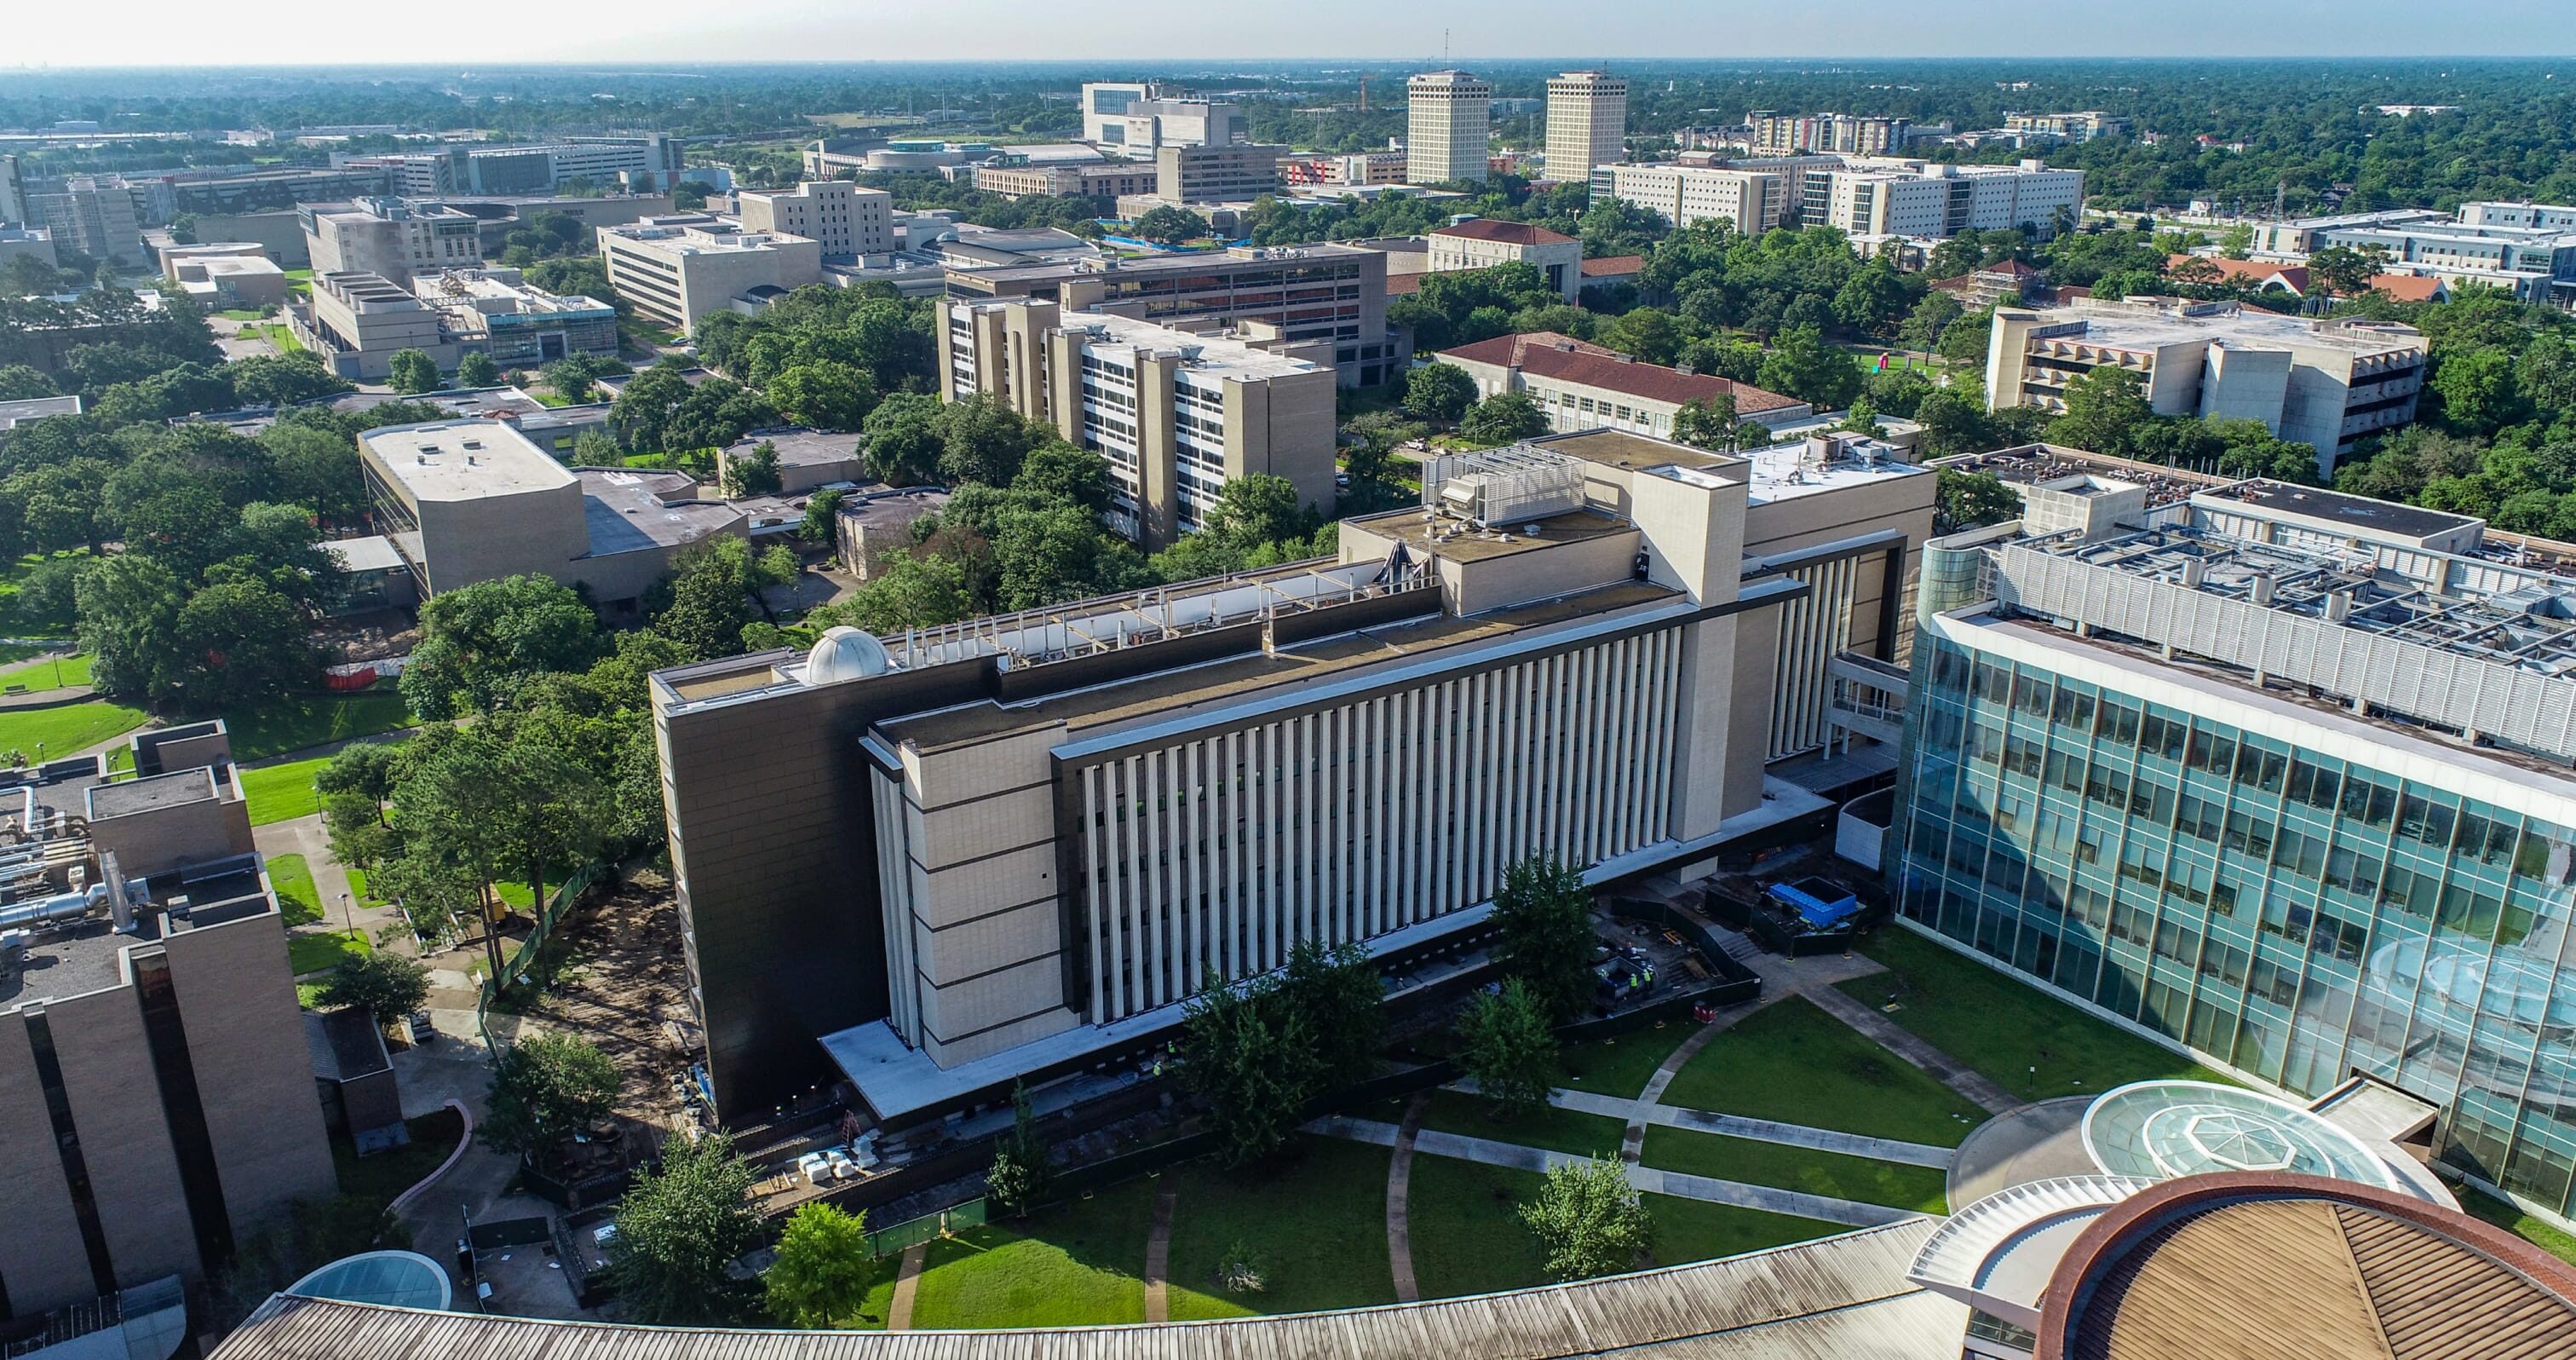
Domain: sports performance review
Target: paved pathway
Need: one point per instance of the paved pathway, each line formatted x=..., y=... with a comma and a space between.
x=1900, y=1041
x=1632, y=1145
x=1759, y=1130
x=1158, y=1259
x=1646, y=1178
x=1399, y=1194
x=907, y=1281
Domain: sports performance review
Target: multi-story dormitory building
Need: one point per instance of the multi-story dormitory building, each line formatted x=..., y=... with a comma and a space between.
x=1007, y=849
x=2274, y=773
x=1174, y=414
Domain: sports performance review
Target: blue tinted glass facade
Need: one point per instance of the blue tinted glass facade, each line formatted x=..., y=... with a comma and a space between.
x=2295, y=917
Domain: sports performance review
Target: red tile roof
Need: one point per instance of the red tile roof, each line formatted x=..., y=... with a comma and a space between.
x=2255, y=272
x=1613, y=266
x=1547, y=354
x=1514, y=233
x=2407, y=287
x=1399, y=285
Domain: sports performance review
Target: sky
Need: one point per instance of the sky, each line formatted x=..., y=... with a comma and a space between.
x=174, y=32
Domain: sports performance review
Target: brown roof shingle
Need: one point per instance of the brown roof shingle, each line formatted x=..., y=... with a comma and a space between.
x=1566, y=359
x=1613, y=266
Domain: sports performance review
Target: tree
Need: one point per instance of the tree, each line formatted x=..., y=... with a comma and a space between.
x=1646, y=334
x=245, y=644
x=984, y=441
x=1505, y=1043
x=1543, y=918
x=411, y=370
x=19, y=382
x=716, y=591
x=822, y=510
x=1804, y=366
x=1929, y=321
x=1503, y=418
x=824, y=394
x=572, y=380
x=480, y=643
x=1339, y=993
x=1588, y=1220
x=2105, y=411
x=1439, y=393
x=678, y=1233
x=1252, y=1062
x=1707, y=423
x=905, y=436
x=129, y=624
x=1020, y=1173
x=545, y=1088
x=282, y=380
x=909, y=592
x=1168, y=225
x=1971, y=500
x=752, y=474
x=497, y=809
x=477, y=370
x=820, y=1276
x=2340, y=271
x=2479, y=391
x=387, y=985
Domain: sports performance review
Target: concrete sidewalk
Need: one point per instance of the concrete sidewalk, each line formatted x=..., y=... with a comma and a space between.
x=1759, y=1130
x=1769, y=1199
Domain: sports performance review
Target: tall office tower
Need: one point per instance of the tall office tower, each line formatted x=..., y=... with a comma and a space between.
x=1448, y=124
x=13, y=193
x=1587, y=124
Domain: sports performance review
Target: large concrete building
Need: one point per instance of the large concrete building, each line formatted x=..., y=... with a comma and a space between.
x=1750, y=201
x=1010, y=848
x=157, y=1105
x=845, y=220
x=1176, y=415
x=1583, y=386
x=1481, y=243
x=496, y=313
x=2272, y=773
x=2069, y=127
x=677, y=269
x=392, y=238
x=95, y=215
x=1216, y=172
x=36, y=243
x=356, y=322
x=475, y=500
x=1587, y=124
x=1932, y=201
x=1100, y=179
x=1448, y=127
x=646, y=164
x=1317, y=293
x=1778, y=134
x=2328, y=384
x=2527, y=248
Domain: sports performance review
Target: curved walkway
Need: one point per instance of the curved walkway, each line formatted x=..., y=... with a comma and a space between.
x=1399, y=1202
x=1639, y=1113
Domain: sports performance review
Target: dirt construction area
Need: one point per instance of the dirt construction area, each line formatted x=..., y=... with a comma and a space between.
x=621, y=983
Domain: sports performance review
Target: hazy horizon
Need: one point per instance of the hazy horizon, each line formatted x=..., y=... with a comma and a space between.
x=313, y=33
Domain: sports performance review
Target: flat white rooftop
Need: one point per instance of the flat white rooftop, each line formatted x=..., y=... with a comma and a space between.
x=2143, y=329
x=465, y=460
x=1783, y=472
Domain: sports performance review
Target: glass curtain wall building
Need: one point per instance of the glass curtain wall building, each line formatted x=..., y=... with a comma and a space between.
x=2302, y=868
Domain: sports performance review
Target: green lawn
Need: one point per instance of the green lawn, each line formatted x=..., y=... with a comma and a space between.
x=1696, y=1230
x=1468, y=1237
x=1895, y=1184
x=281, y=793
x=18, y=618
x=1555, y=1129
x=387, y=1174
x=2003, y=1027
x=243, y=313
x=302, y=720
x=297, y=899
x=277, y=333
x=1789, y=1061
x=1315, y=1223
x=52, y=733
x=53, y=672
x=1467, y=1234
x=1621, y=1066
x=319, y=951
x=1079, y=1264
x=2505, y=1215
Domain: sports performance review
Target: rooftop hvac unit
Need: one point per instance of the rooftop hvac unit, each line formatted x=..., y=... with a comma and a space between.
x=1508, y=488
